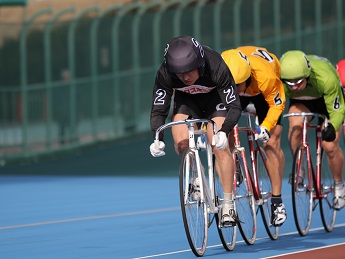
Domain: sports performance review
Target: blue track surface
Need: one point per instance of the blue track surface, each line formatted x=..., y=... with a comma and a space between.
x=123, y=217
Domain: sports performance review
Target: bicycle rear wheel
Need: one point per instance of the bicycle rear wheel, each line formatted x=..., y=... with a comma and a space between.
x=245, y=202
x=227, y=235
x=194, y=212
x=302, y=191
x=265, y=188
x=328, y=214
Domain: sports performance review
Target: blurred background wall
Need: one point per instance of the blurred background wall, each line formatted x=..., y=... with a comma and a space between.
x=76, y=73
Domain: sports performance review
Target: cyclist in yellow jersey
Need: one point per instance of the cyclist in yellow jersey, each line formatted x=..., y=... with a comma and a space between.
x=256, y=72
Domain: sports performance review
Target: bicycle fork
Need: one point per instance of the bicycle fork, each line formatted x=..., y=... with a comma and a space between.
x=205, y=191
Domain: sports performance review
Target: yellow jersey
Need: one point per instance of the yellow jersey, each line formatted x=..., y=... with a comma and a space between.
x=265, y=79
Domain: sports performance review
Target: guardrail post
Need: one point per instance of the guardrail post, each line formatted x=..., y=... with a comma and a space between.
x=24, y=76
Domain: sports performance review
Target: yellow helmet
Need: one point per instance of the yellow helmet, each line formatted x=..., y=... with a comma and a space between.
x=238, y=64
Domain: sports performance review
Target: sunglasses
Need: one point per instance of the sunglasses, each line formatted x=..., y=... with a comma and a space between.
x=293, y=83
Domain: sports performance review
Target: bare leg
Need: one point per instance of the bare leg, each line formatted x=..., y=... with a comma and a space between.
x=224, y=161
x=275, y=159
x=335, y=156
x=180, y=135
x=295, y=127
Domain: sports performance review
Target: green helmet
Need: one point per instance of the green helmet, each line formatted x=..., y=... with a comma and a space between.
x=294, y=65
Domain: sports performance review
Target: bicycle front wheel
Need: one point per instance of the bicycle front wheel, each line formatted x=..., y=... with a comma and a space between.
x=227, y=235
x=302, y=191
x=265, y=187
x=245, y=202
x=328, y=214
x=194, y=210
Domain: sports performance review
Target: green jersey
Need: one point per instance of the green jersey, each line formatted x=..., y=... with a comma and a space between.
x=323, y=82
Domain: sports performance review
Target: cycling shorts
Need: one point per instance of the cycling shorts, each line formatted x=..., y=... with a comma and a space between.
x=205, y=105
x=260, y=104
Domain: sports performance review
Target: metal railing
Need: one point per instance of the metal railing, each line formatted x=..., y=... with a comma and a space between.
x=66, y=84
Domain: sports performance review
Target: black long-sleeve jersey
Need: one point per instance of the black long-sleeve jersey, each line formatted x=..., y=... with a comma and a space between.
x=216, y=76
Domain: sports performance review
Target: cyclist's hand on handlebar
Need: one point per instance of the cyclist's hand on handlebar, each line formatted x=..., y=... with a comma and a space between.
x=157, y=148
x=328, y=133
x=262, y=134
x=220, y=140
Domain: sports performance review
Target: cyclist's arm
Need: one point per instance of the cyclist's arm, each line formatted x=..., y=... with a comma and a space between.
x=334, y=100
x=228, y=92
x=273, y=91
x=161, y=100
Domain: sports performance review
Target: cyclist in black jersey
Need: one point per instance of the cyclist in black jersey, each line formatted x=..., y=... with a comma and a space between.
x=203, y=87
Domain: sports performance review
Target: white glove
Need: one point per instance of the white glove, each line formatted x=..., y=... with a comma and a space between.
x=157, y=148
x=220, y=140
x=262, y=134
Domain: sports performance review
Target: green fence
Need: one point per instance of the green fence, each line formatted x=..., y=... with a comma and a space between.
x=64, y=84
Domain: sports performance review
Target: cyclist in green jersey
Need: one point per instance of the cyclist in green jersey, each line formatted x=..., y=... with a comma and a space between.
x=312, y=85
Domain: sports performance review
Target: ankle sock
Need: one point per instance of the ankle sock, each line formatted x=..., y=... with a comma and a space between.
x=338, y=184
x=276, y=199
x=228, y=196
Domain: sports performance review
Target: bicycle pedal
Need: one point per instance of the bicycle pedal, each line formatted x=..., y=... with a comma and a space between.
x=227, y=224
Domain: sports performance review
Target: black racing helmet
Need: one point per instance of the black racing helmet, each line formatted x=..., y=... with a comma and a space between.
x=183, y=54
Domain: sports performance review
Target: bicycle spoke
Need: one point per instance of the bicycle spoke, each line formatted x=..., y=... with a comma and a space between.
x=227, y=235
x=265, y=188
x=245, y=203
x=302, y=192
x=194, y=211
x=328, y=214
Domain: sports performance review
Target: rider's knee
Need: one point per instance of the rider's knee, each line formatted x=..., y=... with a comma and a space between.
x=331, y=148
x=181, y=146
x=221, y=154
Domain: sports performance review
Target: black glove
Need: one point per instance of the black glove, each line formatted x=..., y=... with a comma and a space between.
x=328, y=133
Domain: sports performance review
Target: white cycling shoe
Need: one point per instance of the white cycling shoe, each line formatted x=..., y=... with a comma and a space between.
x=228, y=215
x=339, y=197
x=196, y=189
x=278, y=214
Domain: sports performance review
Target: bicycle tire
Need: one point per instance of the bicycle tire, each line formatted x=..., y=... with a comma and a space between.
x=302, y=191
x=245, y=202
x=194, y=212
x=227, y=235
x=265, y=188
x=328, y=214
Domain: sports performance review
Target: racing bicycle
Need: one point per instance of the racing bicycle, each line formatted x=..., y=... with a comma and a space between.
x=253, y=185
x=311, y=186
x=201, y=193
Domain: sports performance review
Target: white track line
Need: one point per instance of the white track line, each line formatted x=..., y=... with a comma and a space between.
x=89, y=218
x=261, y=238
x=306, y=250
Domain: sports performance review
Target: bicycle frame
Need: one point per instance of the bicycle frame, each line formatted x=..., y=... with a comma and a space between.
x=261, y=189
x=252, y=143
x=319, y=189
x=315, y=173
x=241, y=150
